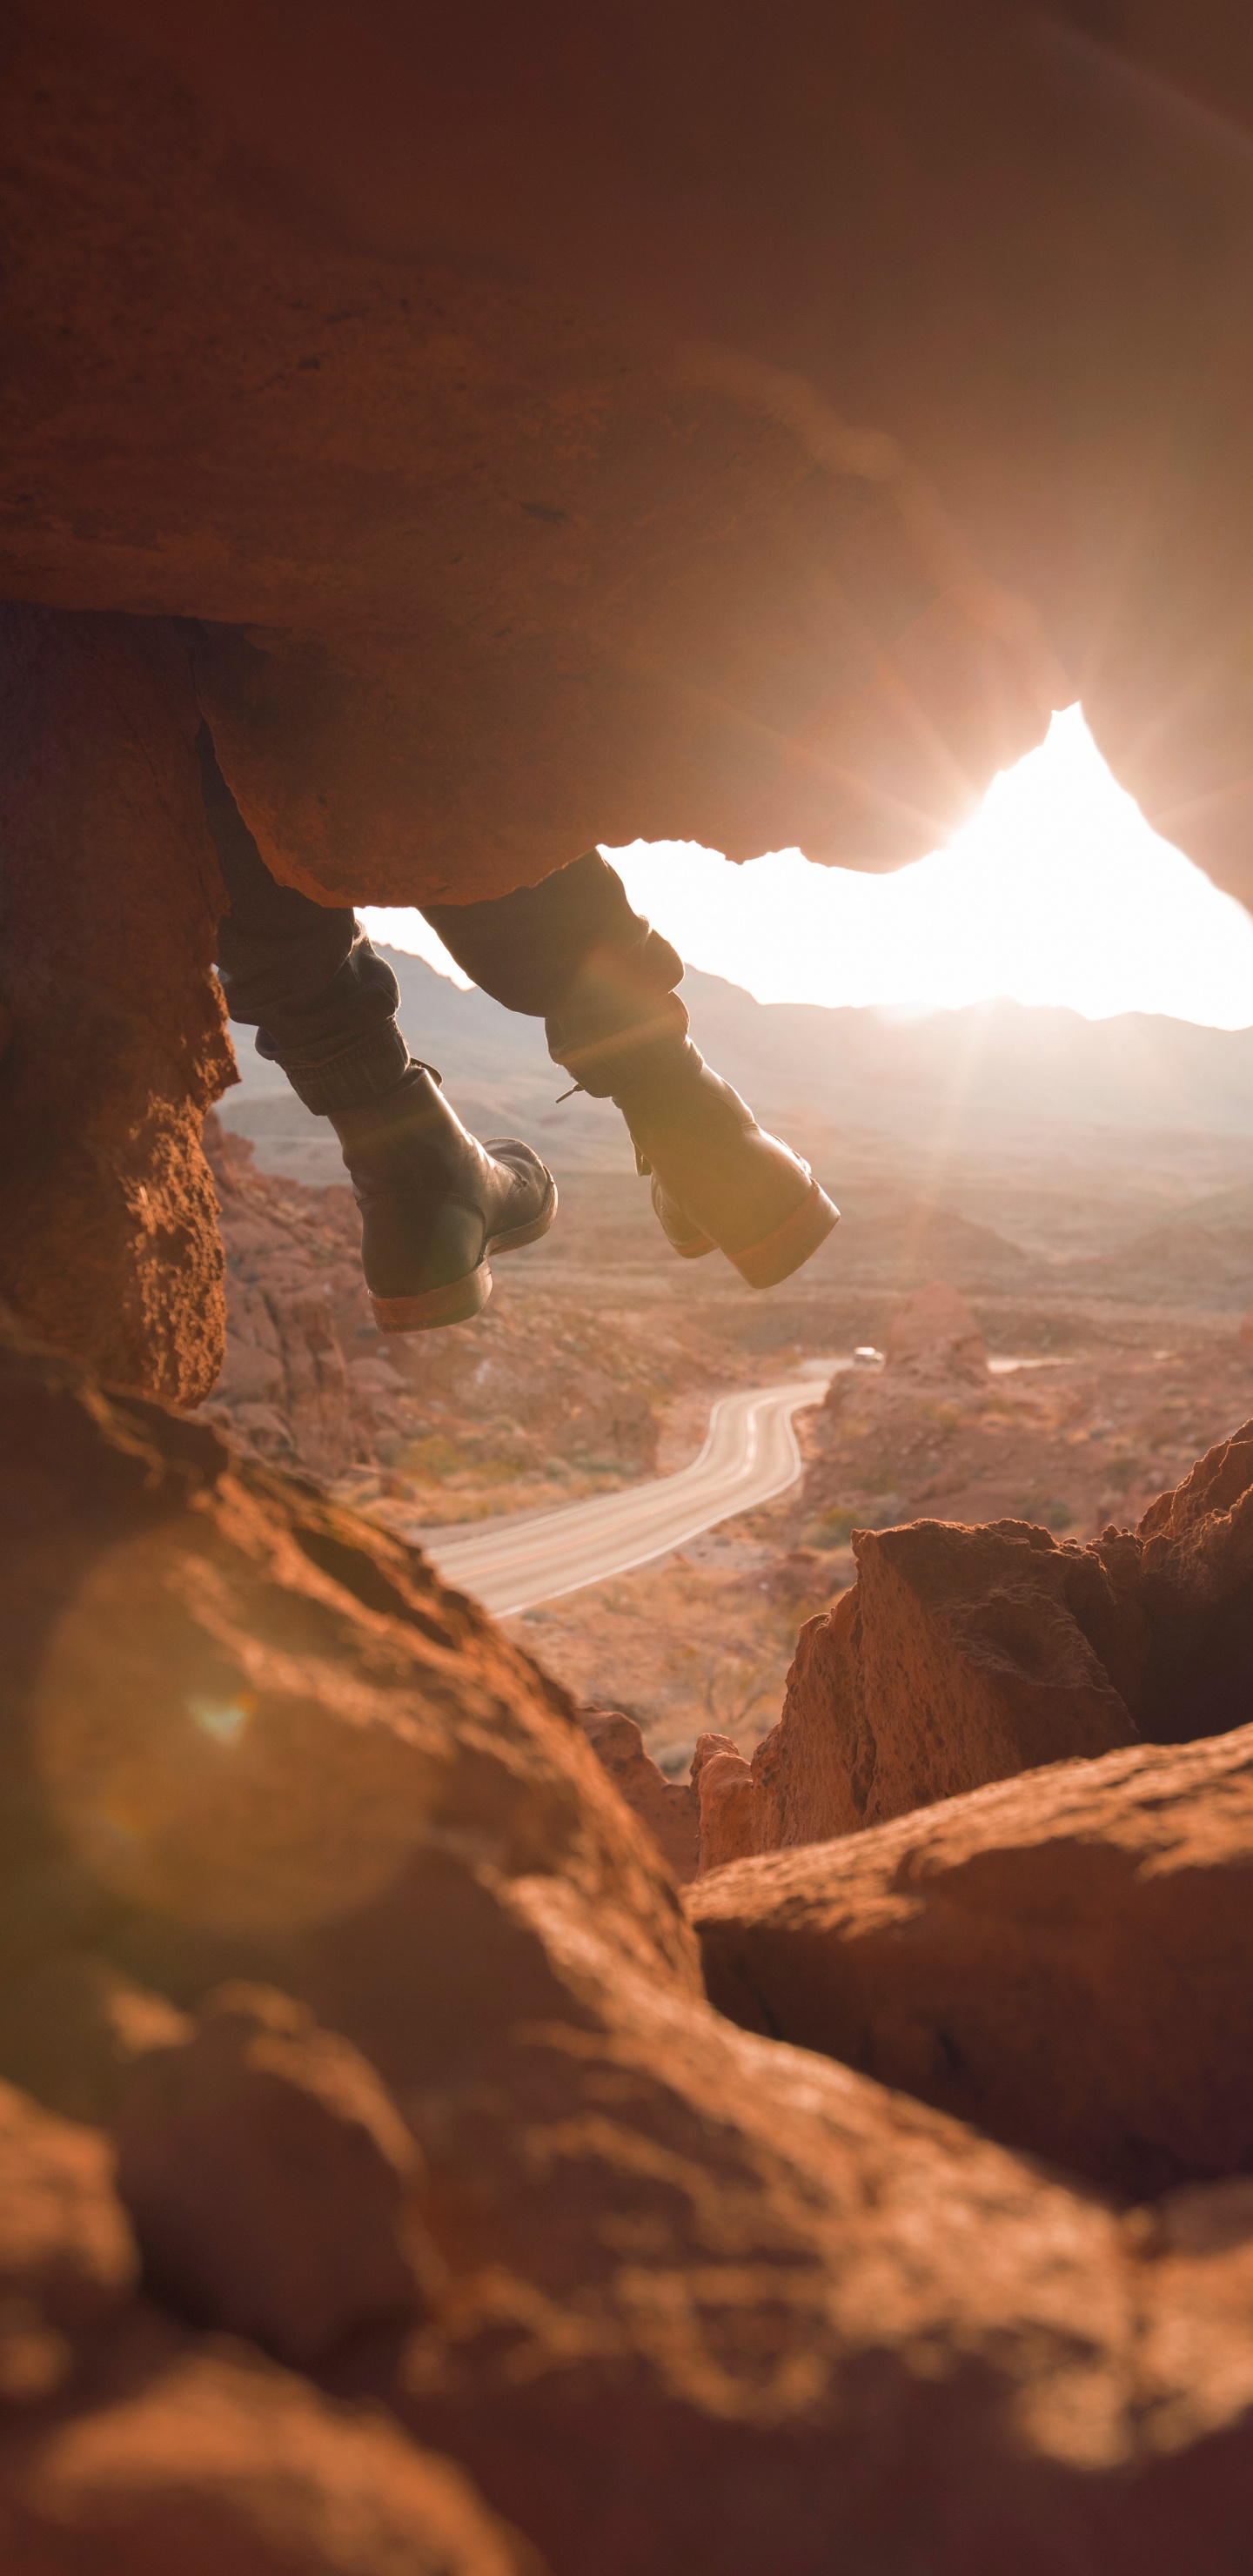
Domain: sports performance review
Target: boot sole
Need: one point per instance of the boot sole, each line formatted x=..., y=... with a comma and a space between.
x=460, y=1300
x=791, y=1244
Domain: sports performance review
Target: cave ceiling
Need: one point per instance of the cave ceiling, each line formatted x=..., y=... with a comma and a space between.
x=741, y=424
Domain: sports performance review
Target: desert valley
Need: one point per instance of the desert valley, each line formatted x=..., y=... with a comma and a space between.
x=1080, y=1189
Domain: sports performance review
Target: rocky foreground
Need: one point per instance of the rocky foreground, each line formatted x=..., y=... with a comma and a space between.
x=381, y=2189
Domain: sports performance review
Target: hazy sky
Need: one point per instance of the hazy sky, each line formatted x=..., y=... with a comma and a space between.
x=1057, y=892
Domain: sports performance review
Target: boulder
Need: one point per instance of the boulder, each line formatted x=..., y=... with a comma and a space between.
x=705, y=2299
x=960, y=1655
x=273, y=2185
x=195, y=2458
x=668, y=1809
x=1064, y=1961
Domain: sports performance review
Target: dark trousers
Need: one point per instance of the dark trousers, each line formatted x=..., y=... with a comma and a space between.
x=323, y=1002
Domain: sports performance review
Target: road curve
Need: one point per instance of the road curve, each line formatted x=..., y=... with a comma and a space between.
x=750, y=1454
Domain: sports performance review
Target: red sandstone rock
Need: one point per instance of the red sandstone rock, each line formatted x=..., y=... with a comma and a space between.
x=293, y=1280
x=724, y=1787
x=193, y=2461
x=933, y=1334
x=959, y=1656
x=429, y=679
x=709, y=2299
x=667, y=1808
x=1196, y=1585
x=272, y=2183
x=1063, y=1960
x=65, y=2244
x=109, y=1243
x=74, y=2032
x=717, y=361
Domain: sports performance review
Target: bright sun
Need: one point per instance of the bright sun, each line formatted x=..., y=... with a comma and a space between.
x=1058, y=891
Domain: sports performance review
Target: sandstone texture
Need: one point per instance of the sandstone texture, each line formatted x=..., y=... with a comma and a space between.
x=1196, y=1581
x=696, y=2300
x=198, y=2458
x=67, y=2255
x=1064, y=1960
x=491, y=553
x=959, y=1656
x=964, y=1655
x=234, y=2147
x=728, y=1800
x=669, y=1809
x=109, y=899
x=74, y=2031
x=560, y=478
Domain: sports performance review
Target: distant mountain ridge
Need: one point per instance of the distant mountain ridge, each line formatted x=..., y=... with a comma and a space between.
x=1009, y=1149
x=987, y=1074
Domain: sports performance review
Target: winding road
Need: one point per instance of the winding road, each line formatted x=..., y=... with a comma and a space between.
x=750, y=1455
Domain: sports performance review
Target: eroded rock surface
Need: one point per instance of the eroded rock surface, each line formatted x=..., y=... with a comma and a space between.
x=704, y=2299
x=959, y=1656
x=273, y=2185
x=964, y=1655
x=204, y=2457
x=116, y=1041
x=1196, y=1583
x=669, y=1809
x=1065, y=1960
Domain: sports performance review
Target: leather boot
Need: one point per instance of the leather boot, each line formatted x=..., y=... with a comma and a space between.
x=435, y=1204
x=718, y=1180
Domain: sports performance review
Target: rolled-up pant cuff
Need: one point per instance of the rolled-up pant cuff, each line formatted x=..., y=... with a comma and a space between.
x=349, y=1077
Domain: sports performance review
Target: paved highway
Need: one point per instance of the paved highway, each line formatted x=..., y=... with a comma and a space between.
x=750, y=1455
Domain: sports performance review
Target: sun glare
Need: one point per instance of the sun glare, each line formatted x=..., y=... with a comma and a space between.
x=1056, y=892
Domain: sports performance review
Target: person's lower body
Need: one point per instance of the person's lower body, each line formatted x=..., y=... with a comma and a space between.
x=436, y=1205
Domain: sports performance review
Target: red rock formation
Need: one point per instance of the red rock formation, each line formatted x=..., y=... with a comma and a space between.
x=707, y=2299
x=964, y=1655
x=725, y=1789
x=116, y=1043
x=494, y=445
x=960, y=1656
x=933, y=1334
x=1196, y=1584
x=67, y=2256
x=667, y=1808
x=294, y=1290
x=1063, y=1960
x=235, y=2146
x=200, y=2458
x=74, y=2031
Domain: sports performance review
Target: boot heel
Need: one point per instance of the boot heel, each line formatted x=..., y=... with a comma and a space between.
x=777, y=1255
x=456, y=1303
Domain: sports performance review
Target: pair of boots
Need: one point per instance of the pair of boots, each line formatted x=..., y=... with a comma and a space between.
x=436, y=1205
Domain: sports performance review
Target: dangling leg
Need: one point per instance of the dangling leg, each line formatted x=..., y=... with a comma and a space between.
x=435, y=1204
x=572, y=949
